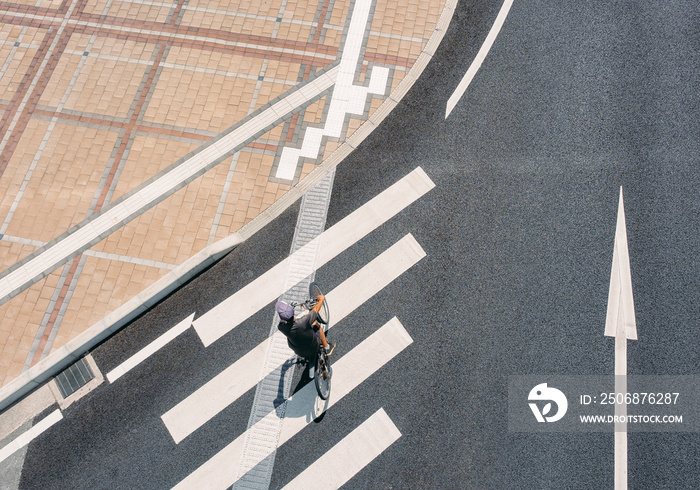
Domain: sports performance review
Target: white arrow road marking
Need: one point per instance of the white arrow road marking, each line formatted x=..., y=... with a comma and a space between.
x=268, y=287
x=480, y=57
x=350, y=455
x=348, y=373
x=198, y=408
x=30, y=435
x=620, y=323
x=620, y=313
x=149, y=350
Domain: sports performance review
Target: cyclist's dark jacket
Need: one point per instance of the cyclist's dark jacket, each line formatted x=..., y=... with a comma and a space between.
x=301, y=334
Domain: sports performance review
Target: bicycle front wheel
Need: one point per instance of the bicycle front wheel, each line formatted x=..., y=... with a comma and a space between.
x=323, y=314
x=322, y=376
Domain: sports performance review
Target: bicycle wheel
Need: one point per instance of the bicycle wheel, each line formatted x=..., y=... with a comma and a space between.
x=323, y=315
x=322, y=376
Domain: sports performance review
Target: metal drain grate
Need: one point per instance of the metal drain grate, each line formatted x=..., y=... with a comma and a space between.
x=73, y=378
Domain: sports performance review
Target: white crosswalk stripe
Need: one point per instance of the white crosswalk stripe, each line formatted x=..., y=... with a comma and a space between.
x=237, y=379
x=149, y=350
x=30, y=435
x=348, y=372
x=349, y=456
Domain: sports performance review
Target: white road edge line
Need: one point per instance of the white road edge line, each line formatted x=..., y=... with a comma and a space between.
x=149, y=350
x=268, y=287
x=30, y=435
x=302, y=408
x=226, y=387
x=480, y=57
x=350, y=455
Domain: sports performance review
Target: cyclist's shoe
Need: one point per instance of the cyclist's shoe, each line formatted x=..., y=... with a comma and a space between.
x=330, y=348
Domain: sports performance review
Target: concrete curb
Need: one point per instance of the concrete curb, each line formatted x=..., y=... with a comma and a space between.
x=57, y=361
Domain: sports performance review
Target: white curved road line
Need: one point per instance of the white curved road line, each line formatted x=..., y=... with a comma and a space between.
x=480, y=56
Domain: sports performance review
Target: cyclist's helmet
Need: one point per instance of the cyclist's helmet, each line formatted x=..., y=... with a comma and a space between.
x=284, y=310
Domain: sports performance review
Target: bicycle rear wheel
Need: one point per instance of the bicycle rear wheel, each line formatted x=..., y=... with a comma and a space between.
x=323, y=314
x=322, y=376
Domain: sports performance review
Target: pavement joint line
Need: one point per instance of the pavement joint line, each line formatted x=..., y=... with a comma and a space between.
x=234, y=158
x=73, y=281
x=179, y=36
x=13, y=51
x=45, y=320
x=40, y=72
x=120, y=317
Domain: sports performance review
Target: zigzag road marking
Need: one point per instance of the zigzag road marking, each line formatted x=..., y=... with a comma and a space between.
x=198, y=408
x=350, y=455
x=348, y=373
x=268, y=287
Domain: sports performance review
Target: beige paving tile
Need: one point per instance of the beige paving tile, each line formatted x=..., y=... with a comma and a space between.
x=19, y=164
x=147, y=156
x=105, y=83
x=11, y=253
x=95, y=6
x=140, y=11
x=332, y=37
x=202, y=94
x=339, y=13
x=71, y=185
x=20, y=319
x=294, y=31
x=52, y=4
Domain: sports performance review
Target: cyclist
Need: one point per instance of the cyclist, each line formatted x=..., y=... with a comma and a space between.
x=304, y=335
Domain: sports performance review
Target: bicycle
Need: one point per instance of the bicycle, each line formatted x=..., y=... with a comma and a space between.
x=322, y=363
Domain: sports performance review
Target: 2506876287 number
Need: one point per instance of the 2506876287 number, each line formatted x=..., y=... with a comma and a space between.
x=639, y=398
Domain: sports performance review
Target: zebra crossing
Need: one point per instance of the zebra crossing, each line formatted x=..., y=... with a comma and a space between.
x=183, y=419
x=365, y=442
x=227, y=467
x=350, y=455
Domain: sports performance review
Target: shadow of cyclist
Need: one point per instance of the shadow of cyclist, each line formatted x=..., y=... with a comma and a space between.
x=311, y=406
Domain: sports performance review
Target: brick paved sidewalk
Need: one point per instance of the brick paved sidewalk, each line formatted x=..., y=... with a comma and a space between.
x=99, y=98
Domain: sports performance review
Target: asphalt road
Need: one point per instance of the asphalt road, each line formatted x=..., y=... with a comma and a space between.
x=573, y=101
